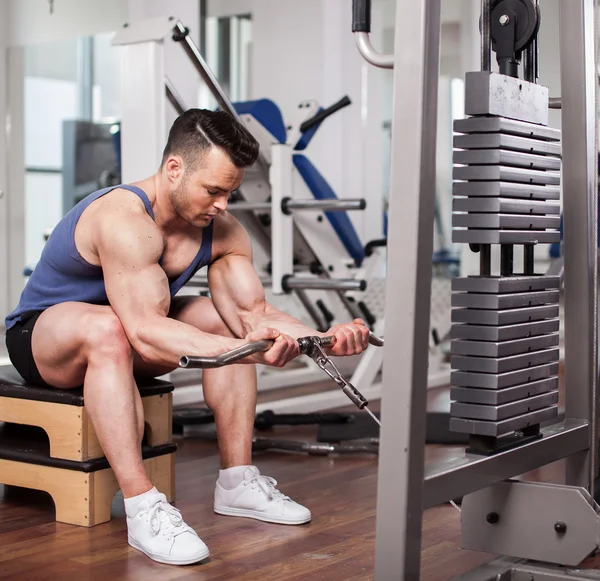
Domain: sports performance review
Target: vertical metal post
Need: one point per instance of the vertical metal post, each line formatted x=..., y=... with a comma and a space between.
x=282, y=226
x=580, y=193
x=85, y=77
x=410, y=247
x=486, y=35
x=15, y=170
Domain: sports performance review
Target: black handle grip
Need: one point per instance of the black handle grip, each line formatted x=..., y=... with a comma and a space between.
x=374, y=244
x=318, y=117
x=361, y=15
x=327, y=314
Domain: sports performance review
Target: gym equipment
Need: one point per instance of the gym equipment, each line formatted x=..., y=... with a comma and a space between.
x=310, y=346
x=555, y=526
x=47, y=442
x=357, y=442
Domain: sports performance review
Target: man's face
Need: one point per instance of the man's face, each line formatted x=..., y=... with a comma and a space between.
x=201, y=194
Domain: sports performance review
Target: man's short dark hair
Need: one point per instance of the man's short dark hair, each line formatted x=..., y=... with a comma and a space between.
x=194, y=132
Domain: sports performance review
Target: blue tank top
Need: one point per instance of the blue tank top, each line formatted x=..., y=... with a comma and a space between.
x=62, y=274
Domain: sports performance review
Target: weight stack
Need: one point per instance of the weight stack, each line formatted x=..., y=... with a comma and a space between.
x=505, y=326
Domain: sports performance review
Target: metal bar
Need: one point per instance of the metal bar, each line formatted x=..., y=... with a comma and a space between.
x=407, y=316
x=207, y=76
x=363, y=42
x=311, y=310
x=342, y=205
x=485, y=260
x=580, y=190
x=486, y=37
x=38, y=169
x=555, y=103
x=85, y=76
x=173, y=97
x=497, y=570
x=282, y=225
x=341, y=284
x=461, y=473
x=529, y=63
x=543, y=572
x=287, y=205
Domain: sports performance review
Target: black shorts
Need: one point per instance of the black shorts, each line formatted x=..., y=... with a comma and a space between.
x=18, y=343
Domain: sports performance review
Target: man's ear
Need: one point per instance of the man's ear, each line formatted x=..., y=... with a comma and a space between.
x=174, y=167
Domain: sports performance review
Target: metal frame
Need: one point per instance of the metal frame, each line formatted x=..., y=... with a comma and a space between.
x=405, y=486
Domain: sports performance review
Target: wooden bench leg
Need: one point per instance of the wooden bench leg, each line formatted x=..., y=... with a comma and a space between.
x=80, y=498
x=93, y=507
x=161, y=471
x=158, y=416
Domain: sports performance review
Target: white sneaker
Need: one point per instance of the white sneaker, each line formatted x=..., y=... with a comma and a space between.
x=158, y=531
x=256, y=497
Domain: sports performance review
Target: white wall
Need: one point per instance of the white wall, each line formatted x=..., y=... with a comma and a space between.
x=30, y=21
x=4, y=208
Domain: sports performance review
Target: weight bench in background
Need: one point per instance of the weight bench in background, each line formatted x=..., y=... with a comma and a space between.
x=47, y=442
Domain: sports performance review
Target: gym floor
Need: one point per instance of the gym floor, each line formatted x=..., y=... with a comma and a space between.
x=338, y=545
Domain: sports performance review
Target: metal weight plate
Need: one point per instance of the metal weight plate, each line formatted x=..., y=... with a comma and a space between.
x=505, y=236
x=505, y=284
x=505, y=206
x=496, y=413
x=483, y=428
x=505, y=157
x=504, y=333
x=503, y=348
x=505, y=173
x=508, y=126
x=503, y=141
x=497, y=365
x=505, y=300
x=503, y=380
x=502, y=396
x=506, y=189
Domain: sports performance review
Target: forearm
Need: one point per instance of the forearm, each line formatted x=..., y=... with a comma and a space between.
x=163, y=341
x=269, y=316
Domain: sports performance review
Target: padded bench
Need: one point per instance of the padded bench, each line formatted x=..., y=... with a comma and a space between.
x=47, y=442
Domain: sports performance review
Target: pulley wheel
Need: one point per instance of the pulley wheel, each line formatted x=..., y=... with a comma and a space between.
x=527, y=16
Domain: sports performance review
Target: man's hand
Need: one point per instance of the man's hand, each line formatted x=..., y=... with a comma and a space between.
x=350, y=338
x=283, y=350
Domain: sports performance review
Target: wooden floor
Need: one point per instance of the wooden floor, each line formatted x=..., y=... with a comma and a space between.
x=338, y=545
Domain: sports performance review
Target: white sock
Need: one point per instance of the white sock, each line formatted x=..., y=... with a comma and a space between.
x=132, y=504
x=232, y=477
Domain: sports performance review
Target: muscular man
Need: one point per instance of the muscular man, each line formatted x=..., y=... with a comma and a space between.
x=100, y=307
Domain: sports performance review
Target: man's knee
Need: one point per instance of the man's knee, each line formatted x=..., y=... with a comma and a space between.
x=105, y=336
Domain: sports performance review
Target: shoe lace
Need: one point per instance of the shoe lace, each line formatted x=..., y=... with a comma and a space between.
x=267, y=485
x=166, y=518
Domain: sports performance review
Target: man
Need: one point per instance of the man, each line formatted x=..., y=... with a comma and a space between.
x=100, y=308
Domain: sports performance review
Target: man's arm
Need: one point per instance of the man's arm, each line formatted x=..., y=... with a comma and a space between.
x=239, y=297
x=129, y=245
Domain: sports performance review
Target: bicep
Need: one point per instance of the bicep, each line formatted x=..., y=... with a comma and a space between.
x=136, y=285
x=235, y=287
